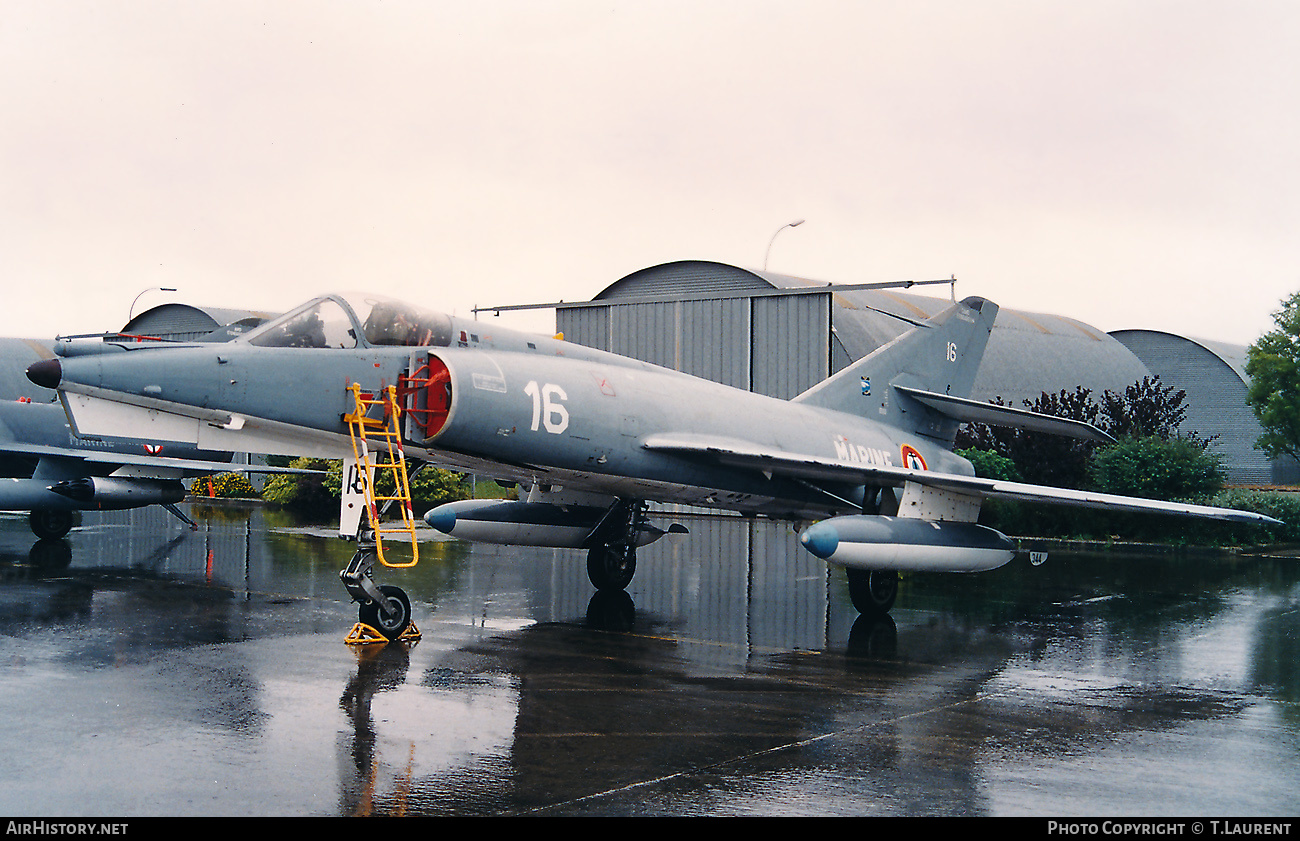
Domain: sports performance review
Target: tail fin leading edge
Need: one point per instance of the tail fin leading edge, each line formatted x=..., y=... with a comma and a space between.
x=941, y=355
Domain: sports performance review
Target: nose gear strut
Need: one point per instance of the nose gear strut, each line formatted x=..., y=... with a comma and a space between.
x=385, y=610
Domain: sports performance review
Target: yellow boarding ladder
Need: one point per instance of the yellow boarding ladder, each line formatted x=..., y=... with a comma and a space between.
x=385, y=431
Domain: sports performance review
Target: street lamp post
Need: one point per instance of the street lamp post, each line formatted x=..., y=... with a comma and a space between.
x=130, y=314
x=796, y=223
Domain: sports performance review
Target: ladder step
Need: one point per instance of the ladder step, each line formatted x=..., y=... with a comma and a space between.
x=385, y=432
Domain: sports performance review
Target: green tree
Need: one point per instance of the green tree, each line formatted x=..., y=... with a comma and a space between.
x=1273, y=365
x=1040, y=458
x=304, y=493
x=1147, y=408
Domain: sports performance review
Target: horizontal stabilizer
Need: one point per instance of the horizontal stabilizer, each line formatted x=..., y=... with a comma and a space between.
x=973, y=411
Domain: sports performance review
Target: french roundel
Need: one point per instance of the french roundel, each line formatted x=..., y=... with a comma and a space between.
x=912, y=459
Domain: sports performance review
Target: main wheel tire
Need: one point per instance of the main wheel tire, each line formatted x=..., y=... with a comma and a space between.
x=50, y=523
x=873, y=591
x=611, y=566
x=390, y=626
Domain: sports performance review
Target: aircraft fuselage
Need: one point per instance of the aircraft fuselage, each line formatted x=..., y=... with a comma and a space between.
x=539, y=409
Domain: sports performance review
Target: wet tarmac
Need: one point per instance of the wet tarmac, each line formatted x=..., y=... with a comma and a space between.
x=149, y=670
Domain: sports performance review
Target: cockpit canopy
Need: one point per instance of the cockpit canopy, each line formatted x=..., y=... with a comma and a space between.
x=354, y=320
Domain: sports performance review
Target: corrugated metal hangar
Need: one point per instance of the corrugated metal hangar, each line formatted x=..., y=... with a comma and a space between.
x=779, y=335
x=1214, y=376
x=186, y=323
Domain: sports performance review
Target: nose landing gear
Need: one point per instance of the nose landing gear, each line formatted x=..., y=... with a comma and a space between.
x=384, y=612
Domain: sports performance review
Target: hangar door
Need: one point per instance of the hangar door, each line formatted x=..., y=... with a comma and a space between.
x=771, y=344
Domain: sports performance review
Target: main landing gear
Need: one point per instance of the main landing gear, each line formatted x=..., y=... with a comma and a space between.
x=872, y=591
x=384, y=612
x=611, y=560
x=50, y=523
x=610, y=566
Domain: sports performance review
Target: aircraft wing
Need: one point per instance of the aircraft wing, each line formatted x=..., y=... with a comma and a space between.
x=742, y=454
x=100, y=412
x=151, y=463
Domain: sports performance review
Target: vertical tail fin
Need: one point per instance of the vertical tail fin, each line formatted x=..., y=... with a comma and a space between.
x=941, y=355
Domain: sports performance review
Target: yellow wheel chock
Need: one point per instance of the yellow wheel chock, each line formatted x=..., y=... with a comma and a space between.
x=363, y=634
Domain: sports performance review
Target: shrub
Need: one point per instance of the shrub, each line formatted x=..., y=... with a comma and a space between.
x=990, y=465
x=1146, y=408
x=1279, y=506
x=1154, y=468
x=304, y=493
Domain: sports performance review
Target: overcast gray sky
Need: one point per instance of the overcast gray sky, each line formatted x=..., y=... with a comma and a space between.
x=1131, y=163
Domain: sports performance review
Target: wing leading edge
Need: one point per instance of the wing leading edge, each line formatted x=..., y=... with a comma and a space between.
x=735, y=453
x=158, y=465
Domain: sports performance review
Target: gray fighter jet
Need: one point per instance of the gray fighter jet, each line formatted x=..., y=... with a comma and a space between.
x=48, y=471
x=865, y=456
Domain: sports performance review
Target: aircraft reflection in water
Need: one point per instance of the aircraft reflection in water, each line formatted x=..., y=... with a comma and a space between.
x=594, y=436
x=554, y=718
x=519, y=706
x=135, y=554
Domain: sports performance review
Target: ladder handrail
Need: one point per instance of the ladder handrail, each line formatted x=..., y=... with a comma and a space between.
x=362, y=429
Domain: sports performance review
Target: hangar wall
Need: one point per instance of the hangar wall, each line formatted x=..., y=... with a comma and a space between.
x=742, y=336
x=779, y=335
x=184, y=323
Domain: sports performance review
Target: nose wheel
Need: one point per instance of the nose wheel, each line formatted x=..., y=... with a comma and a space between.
x=384, y=612
x=390, y=615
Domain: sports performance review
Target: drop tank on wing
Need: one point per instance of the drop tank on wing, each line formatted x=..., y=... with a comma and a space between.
x=902, y=543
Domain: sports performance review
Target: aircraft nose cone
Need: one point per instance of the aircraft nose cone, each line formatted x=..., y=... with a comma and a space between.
x=47, y=373
x=821, y=539
x=442, y=518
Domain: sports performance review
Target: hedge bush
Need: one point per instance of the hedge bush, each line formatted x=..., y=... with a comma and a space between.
x=317, y=495
x=224, y=486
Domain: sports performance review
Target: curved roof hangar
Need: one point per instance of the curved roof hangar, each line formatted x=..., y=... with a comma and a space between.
x=1028, y=353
